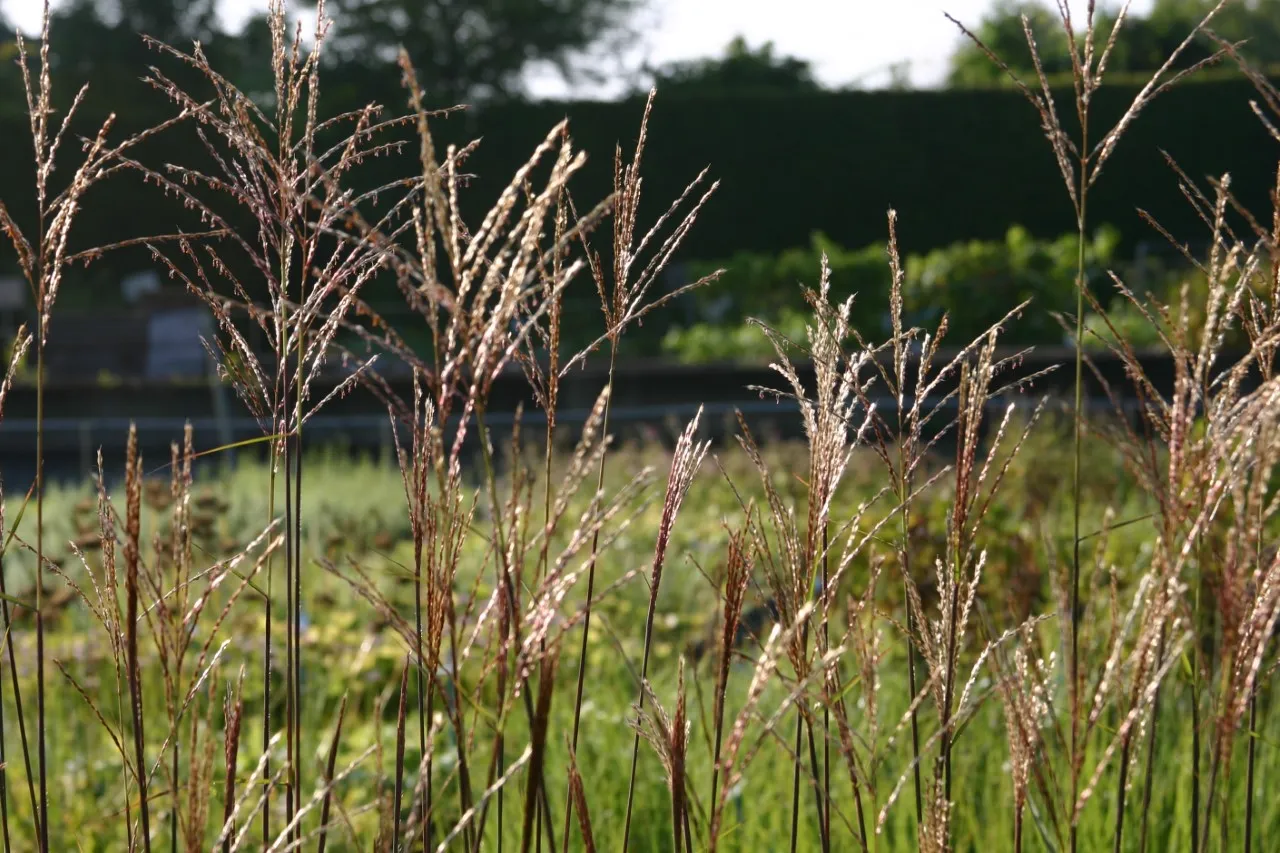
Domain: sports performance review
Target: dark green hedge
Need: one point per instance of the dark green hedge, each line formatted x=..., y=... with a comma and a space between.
x=957, y=165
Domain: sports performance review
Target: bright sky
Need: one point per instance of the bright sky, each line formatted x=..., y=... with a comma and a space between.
x=845, y=40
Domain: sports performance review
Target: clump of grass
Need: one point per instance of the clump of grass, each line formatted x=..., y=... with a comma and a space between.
x=1080, y=162
x=685, y=463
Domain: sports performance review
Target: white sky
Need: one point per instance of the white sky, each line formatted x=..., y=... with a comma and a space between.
x=843, y=39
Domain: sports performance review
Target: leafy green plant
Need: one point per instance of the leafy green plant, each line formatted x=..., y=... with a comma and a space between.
x=972, y=283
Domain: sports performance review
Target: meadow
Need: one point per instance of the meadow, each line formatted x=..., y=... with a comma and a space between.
x=976, y=619
x=354, y=513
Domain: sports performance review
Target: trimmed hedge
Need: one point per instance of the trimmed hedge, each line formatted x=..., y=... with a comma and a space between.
x=963, y=164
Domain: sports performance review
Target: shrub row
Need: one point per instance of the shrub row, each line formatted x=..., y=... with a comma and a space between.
x=961, y=164
x=974, y=282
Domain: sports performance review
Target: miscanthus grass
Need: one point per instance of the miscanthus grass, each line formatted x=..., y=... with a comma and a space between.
x=478, y=650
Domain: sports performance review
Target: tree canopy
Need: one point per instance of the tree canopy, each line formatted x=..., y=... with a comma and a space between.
x=1142, y=47
x=464, y=49
x=740, y=69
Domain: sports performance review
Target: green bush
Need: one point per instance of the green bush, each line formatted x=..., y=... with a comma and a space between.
x=974, y=282
x=708, y=342
x=977, y=282
x=768, y=286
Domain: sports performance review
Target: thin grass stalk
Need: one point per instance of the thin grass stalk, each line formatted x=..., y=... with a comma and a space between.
x=133, y=488
x=737, y=577
x=949, y=682
x=590, y=597
x=795, y=782
x=464, y=769
x=506, y=599
x=234, y=717
x=493, y=776
x=180, y=489
x=950, y=663
x=1210, y=793
x=289, y=546
x=677, y=824
x=398, y=796
x=283, y=215
x=175, y=783
x=330, y=768
x=504, y=578
x=1195, y=728
x=266, y=662
x=107, y=534
x=300, y=381
x=685, y=463
x=823, y=804
x=428, y=808
x=538, y=743
x=42, y=826
x=425, y=817
x=551, y=396
x=507, y=620
x=1076, y=442
x=1149, y=772
x=679, y=766
x=275, y=454
x=1251, y=758
x=719, y=737
x=1219, y=769
x=505, y=616
x=843, y=730
x=177, y=788
x=679, y=816
x=579, y=796
x=4, y=775
x=1122, y=779
x=17, y=696
x=292, y=792
x=424, y=807
x=826, y=705
x=414, y=472
x=4, y=771
x=688, y=823
x=801, y=728
x=297, y=587
x=1249, y=778
x=906, y=441
x=915, y=689
x=1121, y=789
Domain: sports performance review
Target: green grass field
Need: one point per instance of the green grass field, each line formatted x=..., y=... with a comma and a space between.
x=354, y=512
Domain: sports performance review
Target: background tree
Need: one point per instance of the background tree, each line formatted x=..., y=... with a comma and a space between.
x=1146, y=42
x=475, y=49
x=176, y=22
x=1254, y=21
x=1001, y=30
x=101, y=41
x=742, y=69
x=9, y=75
